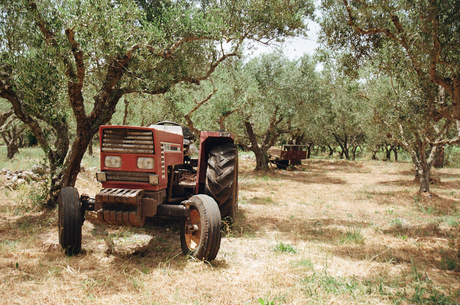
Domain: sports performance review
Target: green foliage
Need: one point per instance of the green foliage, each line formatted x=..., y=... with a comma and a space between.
x=422, y=291
x=265, y=302
x=284, y=248
x=263, y=201
x=329, y=284
x=29, y=156
x=418, y=28
x=8, y=245
x=304, y=263
x=448, y=263
x=413, y=59
x=353, y=234
x=452, y=156
x=39, y=194
x=430, y=296
x=272, y=300
x=65, y=65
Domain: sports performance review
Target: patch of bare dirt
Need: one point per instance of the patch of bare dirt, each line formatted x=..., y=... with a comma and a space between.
x=334, y=232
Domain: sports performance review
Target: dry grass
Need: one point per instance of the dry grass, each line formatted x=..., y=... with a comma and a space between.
x=332, y=232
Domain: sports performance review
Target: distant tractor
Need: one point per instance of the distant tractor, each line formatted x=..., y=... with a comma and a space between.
x=289, y=154
x=149, y=171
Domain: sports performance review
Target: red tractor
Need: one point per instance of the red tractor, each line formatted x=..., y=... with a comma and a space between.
x=149, y=171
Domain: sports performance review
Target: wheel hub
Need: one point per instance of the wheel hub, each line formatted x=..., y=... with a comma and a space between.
x=193, y=230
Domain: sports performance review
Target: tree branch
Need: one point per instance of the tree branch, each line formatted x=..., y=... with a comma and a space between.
x=396, y=22
x=4, y=124
x=78, y=55
x=435, y=54
x=8, y=92
x=5, y=115
x=456, y=140
x=116, y=70
x=168, y=53
x=43, y=25
x=187, y=117
x=222, y=118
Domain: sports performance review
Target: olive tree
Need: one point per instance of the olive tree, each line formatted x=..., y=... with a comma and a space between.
x=418, y=39
x=400, y=107
x=67, y=64
x=268, y=112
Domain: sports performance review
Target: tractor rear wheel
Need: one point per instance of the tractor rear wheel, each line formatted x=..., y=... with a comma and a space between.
x=70, y=220
x=200, y=235
x=222, y=178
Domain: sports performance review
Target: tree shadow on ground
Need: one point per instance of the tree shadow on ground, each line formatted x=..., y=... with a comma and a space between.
x=426, y=243
x=325, y=230
x=401, y=182
x=305, y=177
x=162, y=249
x=434, y=173
x=242, y=227
x=35, y=217
x=446, y=175
x=435, y=183
x=405, y=173
x=344, y=166
x=437, y=204
x=27, y=223
x=424, y=254
x=445, y=185
x=420, y=231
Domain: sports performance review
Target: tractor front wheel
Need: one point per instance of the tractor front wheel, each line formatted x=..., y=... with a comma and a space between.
x=200, y=234
x=222, y=178
x=70, y=220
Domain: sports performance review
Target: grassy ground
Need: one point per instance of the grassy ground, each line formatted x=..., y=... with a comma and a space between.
x=331, y=232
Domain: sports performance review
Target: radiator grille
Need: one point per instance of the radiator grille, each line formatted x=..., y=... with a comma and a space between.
x=127, y=141
x=127, y=176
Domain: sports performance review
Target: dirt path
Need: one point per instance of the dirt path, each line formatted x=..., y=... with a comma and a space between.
x=333, y=232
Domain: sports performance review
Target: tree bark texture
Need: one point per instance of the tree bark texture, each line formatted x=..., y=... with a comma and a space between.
x=343, y=143
x=331, y=151
x=423, y=164
x=439, y=161
x=353, y=152
x=259, y=152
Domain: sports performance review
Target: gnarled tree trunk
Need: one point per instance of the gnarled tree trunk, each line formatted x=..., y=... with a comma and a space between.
x=353, y=152
x=343, y=143
x=260, y=151
x=331, y=151
x=395, y=152
x=423, y=164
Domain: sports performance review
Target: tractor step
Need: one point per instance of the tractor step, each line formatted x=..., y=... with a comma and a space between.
x=118, y=206
x=120, y=218
x=119, y=195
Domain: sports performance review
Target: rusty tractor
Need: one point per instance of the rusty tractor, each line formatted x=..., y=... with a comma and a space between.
x=151, y=172
x=289, y=154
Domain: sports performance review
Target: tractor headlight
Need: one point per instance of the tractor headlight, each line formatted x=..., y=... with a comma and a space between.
x=112, y=161
x=145, y=163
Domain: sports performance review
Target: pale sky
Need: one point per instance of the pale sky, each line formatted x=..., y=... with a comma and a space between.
x=293, y=48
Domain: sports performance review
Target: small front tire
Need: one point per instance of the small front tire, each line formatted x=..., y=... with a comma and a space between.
x=200, y=236
x=70, y=220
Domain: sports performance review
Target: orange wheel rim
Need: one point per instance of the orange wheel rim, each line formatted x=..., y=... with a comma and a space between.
x=193, y=239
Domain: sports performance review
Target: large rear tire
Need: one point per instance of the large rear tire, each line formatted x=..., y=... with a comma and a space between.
x=70, y=220
x=200, y=236
x=222, y=178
